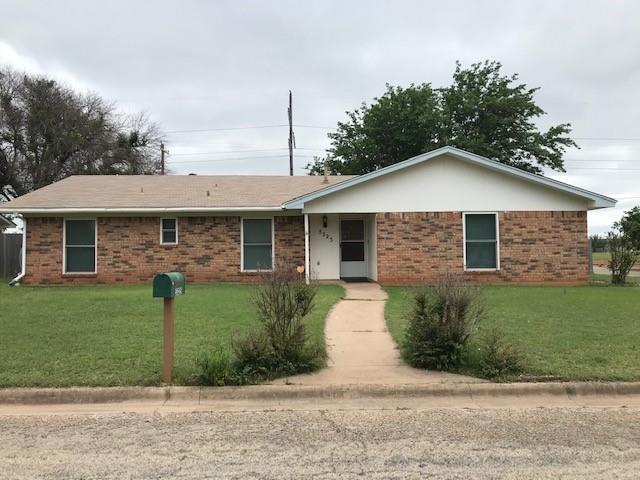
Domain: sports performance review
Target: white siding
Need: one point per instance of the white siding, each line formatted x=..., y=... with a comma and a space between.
x=446, y=184
x=324, y=251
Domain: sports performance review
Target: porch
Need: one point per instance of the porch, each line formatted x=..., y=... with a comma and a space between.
x=340, y=246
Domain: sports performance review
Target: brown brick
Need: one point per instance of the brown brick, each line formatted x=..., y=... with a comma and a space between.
x=535, y=247
x=129, y=249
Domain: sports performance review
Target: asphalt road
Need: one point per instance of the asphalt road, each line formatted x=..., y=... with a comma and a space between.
x=405, y=443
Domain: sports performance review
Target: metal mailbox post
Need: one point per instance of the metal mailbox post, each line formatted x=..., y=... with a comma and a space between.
x=168, y=286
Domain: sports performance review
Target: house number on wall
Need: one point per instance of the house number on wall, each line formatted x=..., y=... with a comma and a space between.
x=325, y=234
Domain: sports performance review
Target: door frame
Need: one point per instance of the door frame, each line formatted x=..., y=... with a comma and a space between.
x=365, y=241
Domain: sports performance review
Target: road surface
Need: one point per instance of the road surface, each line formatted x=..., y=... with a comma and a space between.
x=567, y=442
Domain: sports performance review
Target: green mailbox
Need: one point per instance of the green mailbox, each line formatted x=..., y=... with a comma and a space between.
x=168, y=285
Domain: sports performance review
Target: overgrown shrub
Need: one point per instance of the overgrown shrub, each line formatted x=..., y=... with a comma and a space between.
x=215, y=369
x=623, y=256
x=283, y=300
x=440, y=323
x=279, y=347
x=499, y=359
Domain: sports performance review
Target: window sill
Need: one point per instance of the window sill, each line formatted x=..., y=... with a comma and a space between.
x=481, y=269
x=256, y=271
x=80, y=274
x=168, y=245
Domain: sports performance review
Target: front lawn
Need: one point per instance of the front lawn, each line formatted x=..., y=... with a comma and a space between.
x=572, y=333
x=112, y=335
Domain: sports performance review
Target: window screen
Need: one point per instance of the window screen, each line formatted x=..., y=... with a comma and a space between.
x=257, y=245
x=169, y=231
x=481, y=242
x=80, y=246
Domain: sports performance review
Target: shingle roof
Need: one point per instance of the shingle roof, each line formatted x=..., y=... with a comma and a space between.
x=86, y=192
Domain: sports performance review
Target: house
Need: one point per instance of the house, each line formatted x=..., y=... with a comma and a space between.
x=447, y=210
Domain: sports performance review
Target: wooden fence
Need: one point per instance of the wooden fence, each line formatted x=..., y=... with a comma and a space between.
x=10, y=258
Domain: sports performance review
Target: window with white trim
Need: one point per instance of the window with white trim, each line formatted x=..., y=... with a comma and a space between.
x=257, y=244
x=80, y=246
x=168, y=231
x=481, y=241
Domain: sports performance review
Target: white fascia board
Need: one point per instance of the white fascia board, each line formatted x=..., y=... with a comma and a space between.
x=139, y=210
x=599, y=201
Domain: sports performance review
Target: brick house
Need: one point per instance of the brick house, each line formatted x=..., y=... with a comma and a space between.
x=444, y=211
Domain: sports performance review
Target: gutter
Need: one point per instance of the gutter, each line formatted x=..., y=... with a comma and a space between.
x=23, y=271
x=140, y=210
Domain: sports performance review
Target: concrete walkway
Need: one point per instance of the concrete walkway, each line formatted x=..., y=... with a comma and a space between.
x=361, y=350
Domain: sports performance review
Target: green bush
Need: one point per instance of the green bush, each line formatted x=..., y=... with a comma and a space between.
x=283, y=300
x=623, y=257
x=440, y=323
x=279, y=348
x=499, y=359
x=215, y=369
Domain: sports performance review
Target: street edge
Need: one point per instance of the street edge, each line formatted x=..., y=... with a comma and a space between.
x=94, y=395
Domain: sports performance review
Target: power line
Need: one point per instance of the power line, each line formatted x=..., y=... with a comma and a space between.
x=219, y=152
x=237, y=158
x=609, y=139
x=252, y=127
x=225, y=129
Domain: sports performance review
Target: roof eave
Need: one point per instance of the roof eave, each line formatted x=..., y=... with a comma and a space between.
x=599, y=201
x=87, y=210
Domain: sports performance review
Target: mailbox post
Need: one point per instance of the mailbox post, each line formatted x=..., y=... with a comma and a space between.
x=168, y=286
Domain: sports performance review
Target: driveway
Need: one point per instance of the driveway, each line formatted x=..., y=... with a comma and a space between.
x=361, y=350
x=531, y=443
x=606, y=271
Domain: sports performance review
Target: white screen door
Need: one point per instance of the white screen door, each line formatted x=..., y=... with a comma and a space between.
x=352, y=248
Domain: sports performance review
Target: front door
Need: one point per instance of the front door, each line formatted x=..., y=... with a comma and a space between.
x=352, y=248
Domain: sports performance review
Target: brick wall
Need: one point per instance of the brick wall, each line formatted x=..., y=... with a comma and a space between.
x=129, y=249
x=535, y=247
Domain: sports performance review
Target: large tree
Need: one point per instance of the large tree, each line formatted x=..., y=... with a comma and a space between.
x=48, y=132
x=482, y=111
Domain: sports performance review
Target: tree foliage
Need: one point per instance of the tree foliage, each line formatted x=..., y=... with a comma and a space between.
x=482, y=111
x=624, y=245
x=629, y=225
x=48, y=132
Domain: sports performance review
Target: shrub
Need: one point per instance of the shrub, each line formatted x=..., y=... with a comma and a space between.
x=282, y=301
x=440, y=323
x=279, y=347
x=499, y=359
x=623, y=257
x=215, y=369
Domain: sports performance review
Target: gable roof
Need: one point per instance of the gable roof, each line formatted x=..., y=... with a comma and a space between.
x=599, y=201
x=169, y=193
x=204, y=193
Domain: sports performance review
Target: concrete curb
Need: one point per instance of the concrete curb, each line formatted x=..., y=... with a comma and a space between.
x=89, y=395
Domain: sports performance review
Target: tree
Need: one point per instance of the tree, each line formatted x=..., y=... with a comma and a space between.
x=629, y=225
x=48, y=132
x=598, y=243
x=482, y=111
x=624, y=245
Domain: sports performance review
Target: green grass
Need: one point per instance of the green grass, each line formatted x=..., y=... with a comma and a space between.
x=572, y=333
x=601, y=256
x=112, y=335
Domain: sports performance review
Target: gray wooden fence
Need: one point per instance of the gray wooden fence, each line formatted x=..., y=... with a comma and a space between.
x=10, y=258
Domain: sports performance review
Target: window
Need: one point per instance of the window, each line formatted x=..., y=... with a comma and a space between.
x=481, y=241
x=168, y=231
x=352, y=240
x=257, y=244
x=80, y=246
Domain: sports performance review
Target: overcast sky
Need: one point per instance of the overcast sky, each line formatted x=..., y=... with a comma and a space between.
x=224, y=65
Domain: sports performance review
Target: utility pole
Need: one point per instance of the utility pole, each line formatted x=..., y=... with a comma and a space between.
x=291, y=136
x=162, y=152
